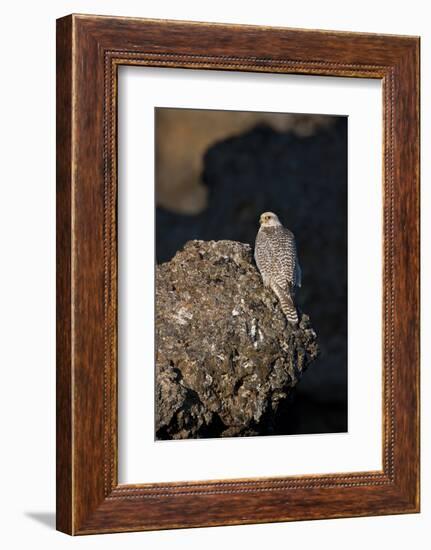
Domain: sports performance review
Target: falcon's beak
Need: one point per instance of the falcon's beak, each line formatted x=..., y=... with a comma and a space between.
x=261, y=220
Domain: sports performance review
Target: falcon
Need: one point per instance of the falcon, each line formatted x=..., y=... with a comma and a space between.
x=277, y=260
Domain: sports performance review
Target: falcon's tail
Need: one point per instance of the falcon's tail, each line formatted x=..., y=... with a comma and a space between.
x=287, y=304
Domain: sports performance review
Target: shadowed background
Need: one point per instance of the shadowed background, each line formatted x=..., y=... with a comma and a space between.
x=217, y=171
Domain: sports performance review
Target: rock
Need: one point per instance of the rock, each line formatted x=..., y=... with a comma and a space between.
x=226, y=356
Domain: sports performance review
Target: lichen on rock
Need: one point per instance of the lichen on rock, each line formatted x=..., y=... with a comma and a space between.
x=226, y=356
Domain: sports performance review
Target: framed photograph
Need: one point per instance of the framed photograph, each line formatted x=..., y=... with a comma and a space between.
x=237, y=274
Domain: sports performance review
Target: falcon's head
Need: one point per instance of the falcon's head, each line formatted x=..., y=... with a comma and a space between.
x=269, y=219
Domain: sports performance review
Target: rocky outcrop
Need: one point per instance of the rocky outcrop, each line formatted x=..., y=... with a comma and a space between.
x=226, y=356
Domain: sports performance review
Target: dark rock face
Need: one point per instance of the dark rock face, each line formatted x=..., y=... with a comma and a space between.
x=226, y=357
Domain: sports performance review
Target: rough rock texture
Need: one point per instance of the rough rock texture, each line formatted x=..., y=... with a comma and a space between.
x=226, y=357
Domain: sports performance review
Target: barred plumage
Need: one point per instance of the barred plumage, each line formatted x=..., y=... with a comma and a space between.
x=277, y=260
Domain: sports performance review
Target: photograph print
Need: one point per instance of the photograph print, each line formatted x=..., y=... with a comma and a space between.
x=251, y=274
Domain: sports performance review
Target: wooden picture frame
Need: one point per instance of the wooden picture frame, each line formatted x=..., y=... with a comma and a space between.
x=89, y=51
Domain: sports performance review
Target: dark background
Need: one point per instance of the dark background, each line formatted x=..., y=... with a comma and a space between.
x=304, y=181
